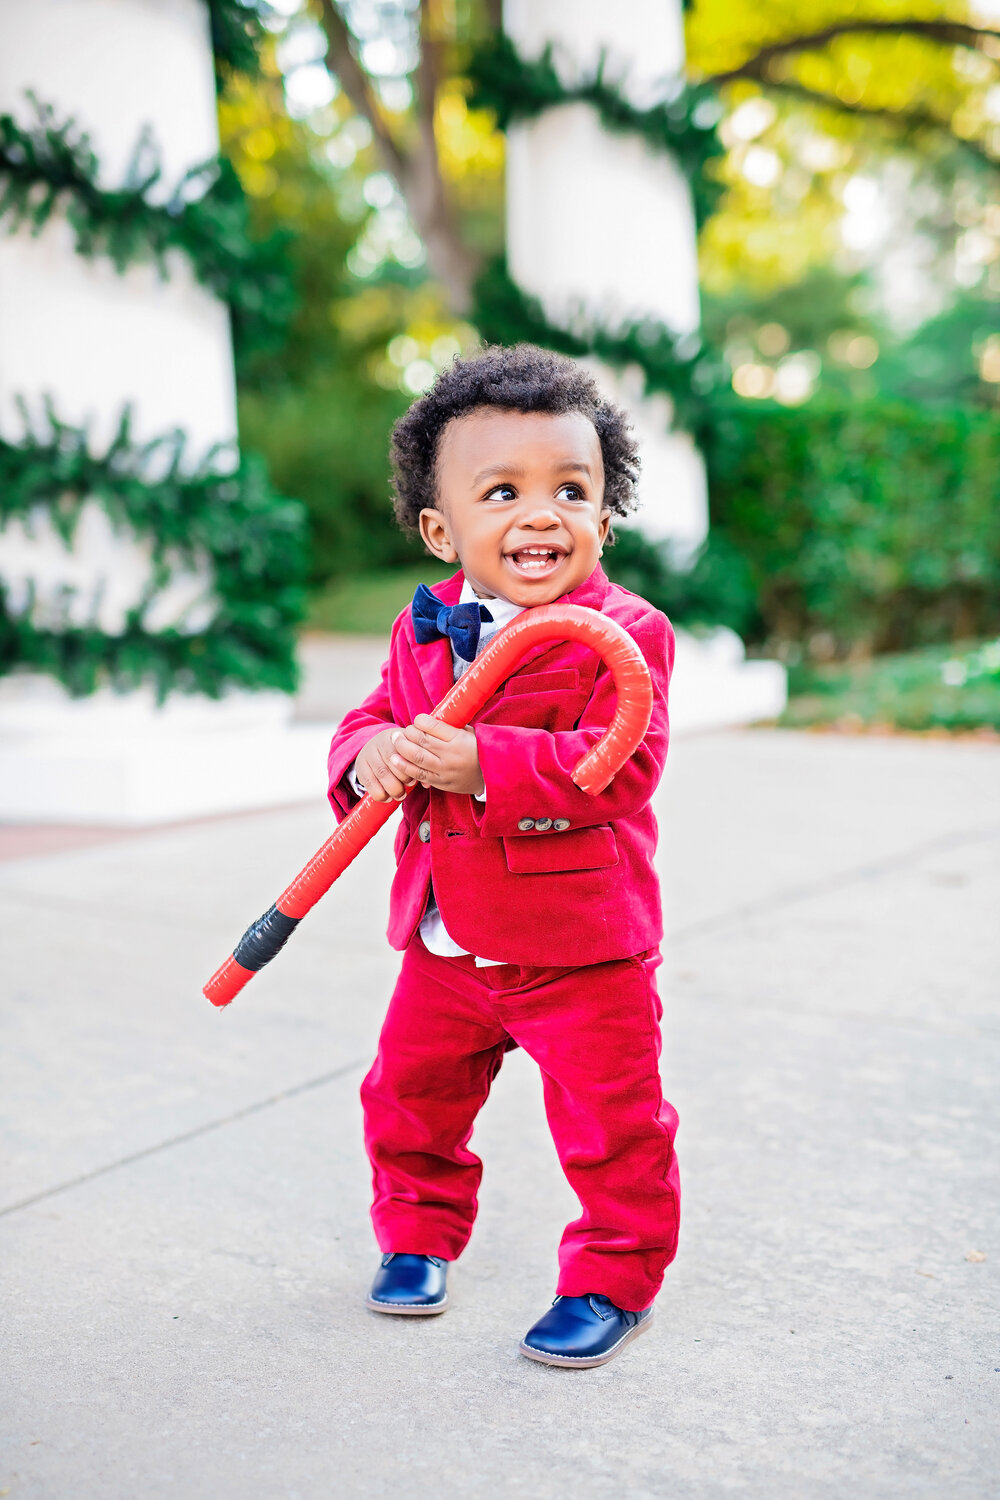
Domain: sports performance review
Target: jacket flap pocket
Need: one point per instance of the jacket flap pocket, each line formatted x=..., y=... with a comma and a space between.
x=544, y=682
x=547, y=853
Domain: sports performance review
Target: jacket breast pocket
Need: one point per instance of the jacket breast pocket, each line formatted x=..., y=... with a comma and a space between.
x=539, y=700
x=547, y=854
x=543, y=682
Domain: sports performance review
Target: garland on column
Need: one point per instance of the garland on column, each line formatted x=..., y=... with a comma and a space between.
x=237, y=32
x=680, y=366
x=49, y=165
x=228, y=524
x=683, y=125
x=252, y=537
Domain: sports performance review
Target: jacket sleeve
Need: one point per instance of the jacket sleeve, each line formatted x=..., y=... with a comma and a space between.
x=528, y=772
x=353, y=734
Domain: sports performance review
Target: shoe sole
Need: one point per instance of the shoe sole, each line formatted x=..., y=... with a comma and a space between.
x=408, y=1309
x=586, y=1361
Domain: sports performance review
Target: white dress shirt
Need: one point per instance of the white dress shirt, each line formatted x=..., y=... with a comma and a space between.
x=434, y=935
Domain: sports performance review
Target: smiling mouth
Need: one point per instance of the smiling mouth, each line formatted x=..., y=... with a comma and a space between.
x=535, y=562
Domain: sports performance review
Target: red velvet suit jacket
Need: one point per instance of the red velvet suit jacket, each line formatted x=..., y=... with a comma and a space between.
x=580, y=896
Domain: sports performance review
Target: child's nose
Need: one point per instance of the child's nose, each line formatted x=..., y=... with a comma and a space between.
x=539, y=516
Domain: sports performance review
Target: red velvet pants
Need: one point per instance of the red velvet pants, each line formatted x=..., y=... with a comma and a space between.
x=594, y=1033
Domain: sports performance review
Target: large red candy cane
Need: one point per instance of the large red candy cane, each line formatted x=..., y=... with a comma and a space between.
x=552, y=622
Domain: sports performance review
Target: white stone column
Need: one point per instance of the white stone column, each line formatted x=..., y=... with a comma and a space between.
x=599, y=221
x=93, y=341
x=76, y=329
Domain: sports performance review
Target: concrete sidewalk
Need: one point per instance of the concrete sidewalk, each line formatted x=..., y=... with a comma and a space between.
x=185, y=1241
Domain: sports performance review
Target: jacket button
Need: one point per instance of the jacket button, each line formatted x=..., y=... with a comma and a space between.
x=526, y=824
x=543, y=824
x=424, y=832
x=560, y=824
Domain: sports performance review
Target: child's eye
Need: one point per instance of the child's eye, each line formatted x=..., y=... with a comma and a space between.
x=572, y=492
x=502, y=492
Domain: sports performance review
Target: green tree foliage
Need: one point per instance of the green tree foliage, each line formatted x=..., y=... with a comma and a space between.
x=326, y=442
x=719, y=589
x=900, y=93
x=946, y=358
x=833, y=321
x=312, y=406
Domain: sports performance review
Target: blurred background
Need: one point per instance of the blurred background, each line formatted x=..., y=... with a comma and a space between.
x=773, y=230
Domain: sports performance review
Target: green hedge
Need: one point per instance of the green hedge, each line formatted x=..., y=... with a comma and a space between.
x=861, y=527
x=935, y=687
x=327, y=442
x=875, y=524
x=719, y=590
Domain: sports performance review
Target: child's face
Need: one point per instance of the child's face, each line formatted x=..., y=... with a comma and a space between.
x=520, y=503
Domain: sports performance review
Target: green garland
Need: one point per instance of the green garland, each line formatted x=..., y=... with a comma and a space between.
x=680, y=366
x=47, y=164
x=253, y=538
x=237, y=32
x=685, y=125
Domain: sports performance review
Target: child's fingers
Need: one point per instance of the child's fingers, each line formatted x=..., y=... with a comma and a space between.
x=412, y=741
x=434, y=727
x=408, y=757
x=374, y=789
x=384, y=785
x=383, y=781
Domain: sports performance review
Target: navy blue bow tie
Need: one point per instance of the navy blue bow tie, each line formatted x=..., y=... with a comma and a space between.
x=459, y=622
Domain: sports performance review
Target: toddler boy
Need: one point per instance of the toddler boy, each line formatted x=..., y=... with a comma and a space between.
x=528, y=912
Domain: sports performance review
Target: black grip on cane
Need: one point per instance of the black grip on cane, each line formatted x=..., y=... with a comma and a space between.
x=264, y=938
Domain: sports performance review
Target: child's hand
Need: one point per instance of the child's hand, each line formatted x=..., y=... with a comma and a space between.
x=382, y=782
x=437, y=755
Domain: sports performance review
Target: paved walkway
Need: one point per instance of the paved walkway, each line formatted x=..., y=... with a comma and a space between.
x=185, y=1244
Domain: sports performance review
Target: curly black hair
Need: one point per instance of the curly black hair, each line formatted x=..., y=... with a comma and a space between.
x=523, y=378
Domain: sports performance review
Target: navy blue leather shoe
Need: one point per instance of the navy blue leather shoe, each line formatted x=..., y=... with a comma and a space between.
x=583, y=1331
x=413, y=1284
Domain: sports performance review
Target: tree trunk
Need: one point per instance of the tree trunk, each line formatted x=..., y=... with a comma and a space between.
x=416, y=170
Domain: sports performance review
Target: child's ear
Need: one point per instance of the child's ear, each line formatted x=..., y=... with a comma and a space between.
x=603, y=527
x=434, y=532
